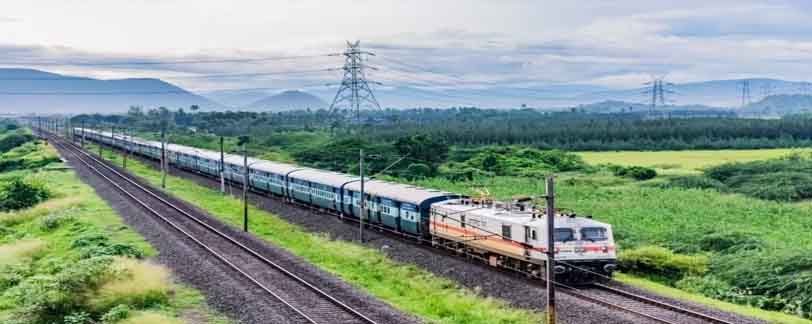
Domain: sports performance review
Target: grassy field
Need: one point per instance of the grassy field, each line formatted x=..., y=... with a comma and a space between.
x=42, y=241
x=692, y=160
x=404, y=286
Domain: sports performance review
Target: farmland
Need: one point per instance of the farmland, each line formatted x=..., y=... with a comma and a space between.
x=685, y=161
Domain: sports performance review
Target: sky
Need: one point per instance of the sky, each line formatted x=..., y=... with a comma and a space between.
x=424, y=43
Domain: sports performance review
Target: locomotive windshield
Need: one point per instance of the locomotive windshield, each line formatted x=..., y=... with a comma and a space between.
x=564, y=235
x=594, y=234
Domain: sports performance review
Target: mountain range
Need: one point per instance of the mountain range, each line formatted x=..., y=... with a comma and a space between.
x=34, y=91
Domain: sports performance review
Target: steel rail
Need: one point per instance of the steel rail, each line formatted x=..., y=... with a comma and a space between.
x=253, y=253
x=654, y=302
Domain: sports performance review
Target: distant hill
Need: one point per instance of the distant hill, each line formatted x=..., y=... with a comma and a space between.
x=778, y=105
x=32, y=91
x=289, y=100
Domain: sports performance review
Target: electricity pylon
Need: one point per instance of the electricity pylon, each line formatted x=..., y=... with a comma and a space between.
x=354, y=90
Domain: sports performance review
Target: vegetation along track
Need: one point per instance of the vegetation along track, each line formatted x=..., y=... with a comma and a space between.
x=607, y=295
x=305, y=301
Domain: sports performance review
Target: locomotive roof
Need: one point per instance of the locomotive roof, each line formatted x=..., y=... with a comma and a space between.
x=515, y=216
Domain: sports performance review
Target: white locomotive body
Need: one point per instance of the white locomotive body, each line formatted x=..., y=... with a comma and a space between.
x=515, y=235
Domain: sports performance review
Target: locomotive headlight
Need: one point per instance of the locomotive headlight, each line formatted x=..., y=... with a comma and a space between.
x=580, y=249
x=605, y=249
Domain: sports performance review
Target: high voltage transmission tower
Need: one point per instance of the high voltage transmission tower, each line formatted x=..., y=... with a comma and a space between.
x=656, y=91
x=354, y=91
x=745, y=94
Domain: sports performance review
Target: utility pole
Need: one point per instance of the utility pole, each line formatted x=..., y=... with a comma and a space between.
x=112, y=141
x=163, y=156
x=126, y=146
x=222, y=167
x=550, y=250
x=363, y=207
x=245, y=179
x=101, y=148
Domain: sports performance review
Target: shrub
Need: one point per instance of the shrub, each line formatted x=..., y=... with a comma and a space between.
x=662, y=263
x=56, y=219
x=12, y=275
x=635, y=172
x=96, y=244
x=116, y=314
x=11, y=141
x=779, y=186
x=78, y=318
x=780, y=280
x=695, y=182
x=50, y=299
x=418, y=170
x=18, y=194
x=729, y=242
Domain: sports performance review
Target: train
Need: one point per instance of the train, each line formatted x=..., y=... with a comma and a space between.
x=505, y=234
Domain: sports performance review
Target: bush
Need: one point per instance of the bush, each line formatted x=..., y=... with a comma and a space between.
x=729, y=242
x=11, y=141
x=56, y=298
x=95, y=245
x=18, y=194
x=780, y=280
x=695, y=182
x=56, y=219
x=784, y=179
x=635, y=172
x=662, y=263
x=116, y=314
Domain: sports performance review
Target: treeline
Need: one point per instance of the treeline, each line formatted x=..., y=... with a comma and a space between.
x=472, y=127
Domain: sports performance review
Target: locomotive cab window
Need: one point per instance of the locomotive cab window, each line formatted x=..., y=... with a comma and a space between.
x=594, y=234
x=564, y=235
x=506, y=232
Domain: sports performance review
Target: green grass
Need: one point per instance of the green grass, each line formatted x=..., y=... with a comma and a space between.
x=404, y=286
x=691, y=160
x=769, y=316
x=88, y=213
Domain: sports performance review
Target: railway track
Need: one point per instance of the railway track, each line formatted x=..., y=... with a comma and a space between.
x=615, y=298
x=642, y=306
x=303, y=301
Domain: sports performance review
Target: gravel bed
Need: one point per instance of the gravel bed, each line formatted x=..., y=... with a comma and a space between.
x=481, y=278
x=225, y=289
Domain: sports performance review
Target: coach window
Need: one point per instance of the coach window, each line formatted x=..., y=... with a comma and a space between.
x=564, y=235
x=506, y=232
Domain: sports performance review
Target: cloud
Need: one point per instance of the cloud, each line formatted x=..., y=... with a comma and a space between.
x=474, y=44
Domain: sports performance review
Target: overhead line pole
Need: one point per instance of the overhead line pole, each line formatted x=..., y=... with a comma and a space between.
x=163, y=156
x=222, y=167
x=550, y=250
x=363, y=206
